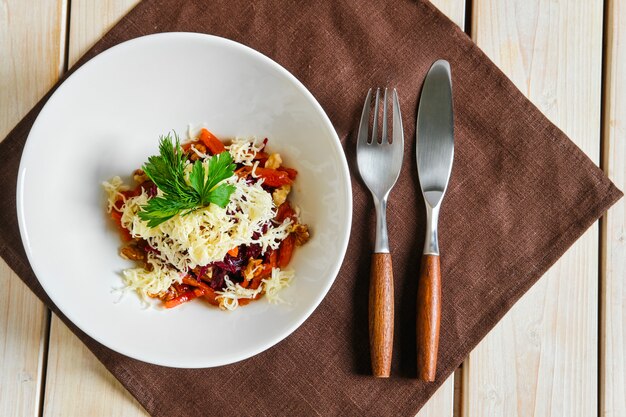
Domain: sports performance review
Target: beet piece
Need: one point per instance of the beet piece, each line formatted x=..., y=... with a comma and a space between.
x=150, y=188
x=253, y=251
x=217, y=280
x=232, y=264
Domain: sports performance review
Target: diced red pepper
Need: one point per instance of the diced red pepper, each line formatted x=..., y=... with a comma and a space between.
x=116, y=215
x=213, y=144
x=132, y=193
x=187, y=146
x=273, y=258
x=265, y=270
x=188, y=280
x=255, y=282
x=124, y=233
x=202, y=290
x=246, y=301
x=285, y=211
x=210, y=296
x=286, y=250
x=181, y=288
x=181, y=299
x=290, y=171
x=273, y=177
x=234, y=252
x=261, y=157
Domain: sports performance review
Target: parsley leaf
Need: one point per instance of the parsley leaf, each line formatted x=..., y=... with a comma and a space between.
x=219, y=167
x=160, y=209
x=167, y=171
x=221, y=194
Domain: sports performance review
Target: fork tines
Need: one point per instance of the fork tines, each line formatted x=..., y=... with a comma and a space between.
x=364, y=127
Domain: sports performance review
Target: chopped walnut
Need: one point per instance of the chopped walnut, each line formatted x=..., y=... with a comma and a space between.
x=132, y=253
x=253, y=264
x=273, y=161
x=197, y=151
x=301, y=232
x=167, y=295
x=280, y=194
x=139, y=176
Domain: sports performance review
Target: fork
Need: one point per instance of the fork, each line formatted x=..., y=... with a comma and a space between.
x=379, y=164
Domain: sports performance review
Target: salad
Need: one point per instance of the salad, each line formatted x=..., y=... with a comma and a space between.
x=208, y=220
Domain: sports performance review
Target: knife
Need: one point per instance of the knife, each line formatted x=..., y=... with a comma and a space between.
x=435, y=152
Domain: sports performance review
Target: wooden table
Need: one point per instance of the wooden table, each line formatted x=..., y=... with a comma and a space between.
x=559, y=352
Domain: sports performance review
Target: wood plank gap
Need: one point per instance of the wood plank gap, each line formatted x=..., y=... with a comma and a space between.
x=63, y=36
x=457, y=401
x=66, y=46
x=43, y=361
x=602, y=234
x=465, y=404
x=458, y=406
x=467, y=25
x=613, y=256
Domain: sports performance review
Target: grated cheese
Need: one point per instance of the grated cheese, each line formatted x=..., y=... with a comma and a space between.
x=230, y=296
x=113, y=188
x=243, y=150
x=276, y=282
x=151, y=283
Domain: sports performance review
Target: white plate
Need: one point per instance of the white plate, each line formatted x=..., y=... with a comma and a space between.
x=105, y=120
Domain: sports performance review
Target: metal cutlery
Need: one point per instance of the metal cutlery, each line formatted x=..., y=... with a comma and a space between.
x=435, y=153
x=379, y=161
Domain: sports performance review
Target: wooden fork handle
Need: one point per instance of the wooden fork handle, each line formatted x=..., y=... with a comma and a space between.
x=428, y=317
x=381, y=314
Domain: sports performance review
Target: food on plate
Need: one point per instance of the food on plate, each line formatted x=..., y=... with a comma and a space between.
x=208, y=220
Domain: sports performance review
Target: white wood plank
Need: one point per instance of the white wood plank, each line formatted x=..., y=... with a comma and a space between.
x=454, y=9
x=541, y=360
x=613, y=296
x=90, y=20
x=32, y=41
x=72, y=367
x=23, y=330
x=441, y=404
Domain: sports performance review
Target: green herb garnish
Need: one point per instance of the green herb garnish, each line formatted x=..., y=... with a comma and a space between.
x=167, y=171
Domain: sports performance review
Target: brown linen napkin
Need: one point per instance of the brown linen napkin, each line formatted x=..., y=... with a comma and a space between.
x=520, y=194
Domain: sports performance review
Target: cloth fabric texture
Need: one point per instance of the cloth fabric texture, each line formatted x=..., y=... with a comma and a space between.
x=520, y=194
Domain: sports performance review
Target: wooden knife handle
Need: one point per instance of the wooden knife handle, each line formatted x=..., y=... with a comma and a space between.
x=381, y=314
x=428, y=316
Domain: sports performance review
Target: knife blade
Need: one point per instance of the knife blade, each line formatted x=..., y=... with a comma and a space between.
x=435, y=154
